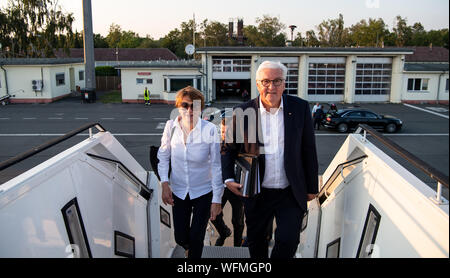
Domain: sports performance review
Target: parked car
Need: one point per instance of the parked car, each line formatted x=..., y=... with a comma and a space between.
x=346, y=119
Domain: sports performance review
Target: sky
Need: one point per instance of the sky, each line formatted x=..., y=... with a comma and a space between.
x=158, y=18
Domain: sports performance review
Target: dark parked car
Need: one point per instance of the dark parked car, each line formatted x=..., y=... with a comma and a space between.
x=346, y=119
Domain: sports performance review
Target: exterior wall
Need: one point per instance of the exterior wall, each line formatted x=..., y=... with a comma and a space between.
x=131, y=90
x=431, y=95
x=398, y=82
x=20, y=77
x=398, y=64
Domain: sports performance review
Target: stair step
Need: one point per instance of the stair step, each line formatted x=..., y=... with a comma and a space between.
x=225, y=252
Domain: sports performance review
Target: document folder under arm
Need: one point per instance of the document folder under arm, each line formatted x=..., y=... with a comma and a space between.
x=247, y=174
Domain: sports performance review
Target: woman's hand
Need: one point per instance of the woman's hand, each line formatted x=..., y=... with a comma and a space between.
x=166, y=195
x=216, y=209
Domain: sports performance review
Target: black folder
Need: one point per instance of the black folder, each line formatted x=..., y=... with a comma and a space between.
x=247, y=174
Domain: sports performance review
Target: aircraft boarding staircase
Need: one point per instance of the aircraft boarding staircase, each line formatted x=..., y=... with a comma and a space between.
x=95, y=200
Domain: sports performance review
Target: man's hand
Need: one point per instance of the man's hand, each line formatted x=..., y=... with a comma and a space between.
x=166, y=194
x=216, y=209
x=311, y=196
x=234, y=187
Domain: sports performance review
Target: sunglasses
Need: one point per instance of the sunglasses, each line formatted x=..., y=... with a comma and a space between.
x=186, y=105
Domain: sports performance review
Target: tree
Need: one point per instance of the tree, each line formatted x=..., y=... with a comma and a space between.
x=114, y=35
x=213, y=33
x=311, y=39
x=331, y=32
x=34, y=28
x=174, y=43
x=372, y=33
x=100, y=41
x=270, y=31
x=402, y=31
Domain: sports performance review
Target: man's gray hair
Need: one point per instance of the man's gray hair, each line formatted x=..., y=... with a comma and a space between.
x=272, y=65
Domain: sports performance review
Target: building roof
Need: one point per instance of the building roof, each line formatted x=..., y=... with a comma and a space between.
x=124, y=54
x=40, y=61
x=428, y=54
x=161, y=64
x=428, y=67
x=319, y=50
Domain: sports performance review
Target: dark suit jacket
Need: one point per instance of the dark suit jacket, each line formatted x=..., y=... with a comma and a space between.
x=300, y=157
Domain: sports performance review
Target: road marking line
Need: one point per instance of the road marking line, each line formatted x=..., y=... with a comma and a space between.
x=29, y=118
x=160, y=118
x=51, y=118
x=161, y=126
x=4, y=118
x=425, y=110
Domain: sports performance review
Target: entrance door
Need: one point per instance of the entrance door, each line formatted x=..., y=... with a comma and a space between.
x=72, y=79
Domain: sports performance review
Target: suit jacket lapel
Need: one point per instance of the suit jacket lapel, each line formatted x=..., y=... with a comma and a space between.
x=288, y=124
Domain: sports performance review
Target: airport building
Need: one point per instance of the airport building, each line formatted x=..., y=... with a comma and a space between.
x=40, y=80
x=331, y=74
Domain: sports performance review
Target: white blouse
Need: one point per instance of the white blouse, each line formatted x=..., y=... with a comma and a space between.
x=196, y=166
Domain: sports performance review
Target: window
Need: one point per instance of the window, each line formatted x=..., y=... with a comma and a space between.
x=75, y=230
x=60, y=79
x=81, y=75
x=326, y=79
x=354, y=115
x=178, y=84
x=373, y=79
x=149, y=81
x=124, y=245
x=139, y=81
x=366, y=245
x=446, y=85
x=371, y=115
x=231, y=64
x=418, y=84
x=291, y=79
x=333, y=249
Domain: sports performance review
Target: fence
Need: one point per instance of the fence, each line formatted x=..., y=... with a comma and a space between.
x=107, y=83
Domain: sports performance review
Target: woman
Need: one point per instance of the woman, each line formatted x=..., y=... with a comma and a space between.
x=191, y=146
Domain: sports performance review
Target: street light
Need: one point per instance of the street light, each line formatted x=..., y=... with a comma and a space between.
x=292, y=27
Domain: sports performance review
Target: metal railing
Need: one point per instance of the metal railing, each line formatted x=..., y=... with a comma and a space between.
x=14, y=160
x=435, y=174
x=338, y=171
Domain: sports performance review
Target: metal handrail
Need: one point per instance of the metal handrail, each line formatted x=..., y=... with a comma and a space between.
x=337, y=171
x=14, y=160
x=144, y=191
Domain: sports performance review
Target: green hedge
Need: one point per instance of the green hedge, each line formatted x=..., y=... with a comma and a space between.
x=105, y=71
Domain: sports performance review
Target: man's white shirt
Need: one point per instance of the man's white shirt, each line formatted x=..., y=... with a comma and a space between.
x=272, y=129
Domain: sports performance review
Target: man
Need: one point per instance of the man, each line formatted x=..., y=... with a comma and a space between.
x=287, y=163
x=315, y=107
x=318, y=116
x=237, y=210
x=146, y=96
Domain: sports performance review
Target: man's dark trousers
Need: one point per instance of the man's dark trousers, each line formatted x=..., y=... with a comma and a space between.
x=260, y=211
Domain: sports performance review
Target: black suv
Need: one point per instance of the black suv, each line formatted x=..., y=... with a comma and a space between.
x=346, y=119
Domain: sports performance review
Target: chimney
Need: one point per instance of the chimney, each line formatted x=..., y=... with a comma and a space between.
x=240, y=31
x=230, y=28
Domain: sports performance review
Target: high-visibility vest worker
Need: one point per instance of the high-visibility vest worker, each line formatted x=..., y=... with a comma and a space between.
x=146, y=96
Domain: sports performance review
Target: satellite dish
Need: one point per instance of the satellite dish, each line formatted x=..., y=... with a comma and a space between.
x=190, y=49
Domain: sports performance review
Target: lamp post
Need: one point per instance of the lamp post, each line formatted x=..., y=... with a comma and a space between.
x=292, y=27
